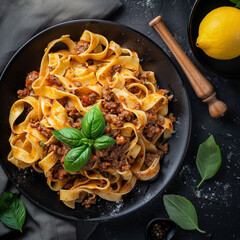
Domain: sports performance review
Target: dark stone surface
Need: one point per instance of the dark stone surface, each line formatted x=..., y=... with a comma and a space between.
x=217, y=201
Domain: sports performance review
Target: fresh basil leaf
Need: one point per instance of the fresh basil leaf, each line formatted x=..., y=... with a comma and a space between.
x=15, y=214
x=208, y=159
x=181, y=211
x=103, y=142
x=69, y=136
x=77, y=157
x=93, y=123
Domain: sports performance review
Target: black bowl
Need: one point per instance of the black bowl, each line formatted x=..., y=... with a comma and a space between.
x=168, y=223
x=225, y=68
x=32, y=184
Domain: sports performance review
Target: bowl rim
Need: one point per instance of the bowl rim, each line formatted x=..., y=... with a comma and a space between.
x=189, y=117
x=193, y=48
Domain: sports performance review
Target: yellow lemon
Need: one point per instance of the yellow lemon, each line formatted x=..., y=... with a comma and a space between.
x=219, y=33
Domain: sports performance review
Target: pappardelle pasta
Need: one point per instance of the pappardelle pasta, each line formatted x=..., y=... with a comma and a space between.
x=71, y=80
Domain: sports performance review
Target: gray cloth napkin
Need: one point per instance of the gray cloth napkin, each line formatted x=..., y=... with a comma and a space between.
x=39, y=225
x=20, y=20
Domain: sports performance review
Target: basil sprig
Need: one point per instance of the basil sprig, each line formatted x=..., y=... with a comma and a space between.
x=12, y=211
x=181, y=211
x=208, y=159
x=81, y=142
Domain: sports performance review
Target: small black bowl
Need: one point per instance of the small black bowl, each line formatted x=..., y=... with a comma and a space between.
x=225, y=68
x=163, y=222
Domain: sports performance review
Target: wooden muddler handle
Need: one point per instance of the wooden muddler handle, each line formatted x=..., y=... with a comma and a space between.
x=202, y=87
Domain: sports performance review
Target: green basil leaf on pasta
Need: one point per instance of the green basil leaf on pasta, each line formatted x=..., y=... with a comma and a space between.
x=69, y=136
x=181, y=211
x=76, y=158
x=208, y=159
x=103, y=142
x=12, y=211
x=93, y=123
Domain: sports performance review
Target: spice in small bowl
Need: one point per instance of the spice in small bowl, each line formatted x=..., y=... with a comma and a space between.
x=160, y=229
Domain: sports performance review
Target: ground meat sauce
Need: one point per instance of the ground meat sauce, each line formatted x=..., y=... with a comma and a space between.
x=81, y=47
x=90, y=163
x=89, y=201
x=92, y=98
x=78, y=123
x=60, y=149
x=88, y=99
x=115, y=69
x=153, y=126
x=59, y=173
x=54, y=81
x=163, y=148
x=110, y=107
x=63, y=150
x=23, y=93
x=150, y=157
x=114, y=156
x=72, y=111
x=31, y=77
x=75, y=117
x=108, y=95
x=63, y=101
x=114, y=112
x=142, y=77
x=46, y=132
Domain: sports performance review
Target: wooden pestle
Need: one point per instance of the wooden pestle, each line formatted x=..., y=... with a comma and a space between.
x=202, y=87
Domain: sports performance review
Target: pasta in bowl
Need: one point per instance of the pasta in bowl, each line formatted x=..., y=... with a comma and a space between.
x=71, y=81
